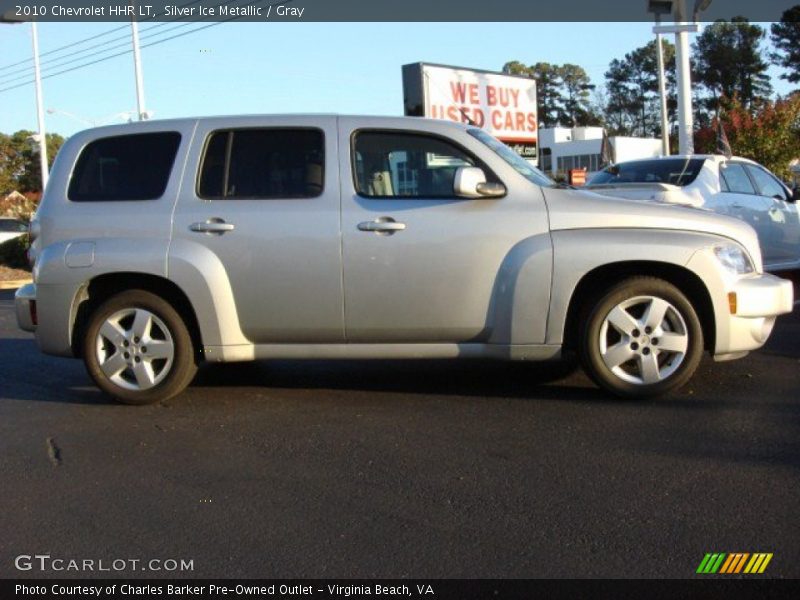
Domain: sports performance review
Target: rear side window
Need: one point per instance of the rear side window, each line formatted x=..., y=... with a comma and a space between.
x=675, y=171
x=736, y=180
x=243, y=164
x=125, y=167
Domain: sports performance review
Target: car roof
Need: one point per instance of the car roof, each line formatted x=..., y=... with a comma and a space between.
x=713, y=157
x=384, y=120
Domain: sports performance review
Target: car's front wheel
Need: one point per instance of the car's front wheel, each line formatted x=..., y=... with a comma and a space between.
x=641, y=338
x=138, y=349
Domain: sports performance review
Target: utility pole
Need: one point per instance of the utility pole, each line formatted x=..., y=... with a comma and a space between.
x=39, y=107
x=10, y=18
x=137, y=67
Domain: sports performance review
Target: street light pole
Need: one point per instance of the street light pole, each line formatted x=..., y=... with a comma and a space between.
x=662, y=93
x=685, y=117
x=681, y=29
x=39, y=107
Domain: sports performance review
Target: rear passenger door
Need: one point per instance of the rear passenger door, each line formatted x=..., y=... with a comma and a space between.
x=262, y=196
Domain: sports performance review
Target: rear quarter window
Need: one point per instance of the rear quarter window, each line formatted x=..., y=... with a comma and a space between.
x=124, y=167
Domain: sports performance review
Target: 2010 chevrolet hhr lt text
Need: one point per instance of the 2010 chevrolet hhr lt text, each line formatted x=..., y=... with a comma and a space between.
x=161, y=244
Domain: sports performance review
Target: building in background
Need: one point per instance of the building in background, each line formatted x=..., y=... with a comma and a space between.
x=562, y=149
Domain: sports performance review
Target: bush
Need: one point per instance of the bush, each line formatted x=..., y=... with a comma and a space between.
x=19, y=206
x=14, y=253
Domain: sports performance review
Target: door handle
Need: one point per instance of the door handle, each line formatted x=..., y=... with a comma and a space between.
x=214, y=225
x=385, y=225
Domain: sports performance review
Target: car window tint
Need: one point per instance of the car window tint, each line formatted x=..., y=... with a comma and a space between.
x=407, y=165
x=125, y=167
x=767, y=184
x=736, y=178
x=263, y=164
x=675, y=171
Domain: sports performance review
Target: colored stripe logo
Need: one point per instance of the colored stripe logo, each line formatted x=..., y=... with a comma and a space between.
x=723, y=563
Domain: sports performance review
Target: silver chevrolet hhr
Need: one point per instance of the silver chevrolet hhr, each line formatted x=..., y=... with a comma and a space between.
x=162, y=244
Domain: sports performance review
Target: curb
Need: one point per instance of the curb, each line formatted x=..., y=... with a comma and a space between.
x=14, y=284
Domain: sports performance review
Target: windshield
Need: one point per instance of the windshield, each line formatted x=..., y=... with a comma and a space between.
x=675, y=171
x=520, y=165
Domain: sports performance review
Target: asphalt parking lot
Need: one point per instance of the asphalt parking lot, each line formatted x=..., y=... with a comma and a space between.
x=396, y=469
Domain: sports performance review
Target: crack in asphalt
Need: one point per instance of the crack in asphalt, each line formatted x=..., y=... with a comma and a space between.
x=53, y=452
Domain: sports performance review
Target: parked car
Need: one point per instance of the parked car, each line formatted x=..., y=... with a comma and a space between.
x=11, y=228
x=161, y=244
x=737, y=187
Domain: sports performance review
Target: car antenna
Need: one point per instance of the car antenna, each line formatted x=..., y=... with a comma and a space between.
x=466, y=116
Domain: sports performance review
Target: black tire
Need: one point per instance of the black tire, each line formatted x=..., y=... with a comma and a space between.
x=170, y=375
x=634, y=378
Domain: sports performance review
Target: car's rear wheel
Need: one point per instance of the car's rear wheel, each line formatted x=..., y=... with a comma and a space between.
x=138, y=349
x=641, y=338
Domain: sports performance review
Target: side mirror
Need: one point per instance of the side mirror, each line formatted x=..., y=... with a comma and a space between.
x=795, y=193
x=470, y=182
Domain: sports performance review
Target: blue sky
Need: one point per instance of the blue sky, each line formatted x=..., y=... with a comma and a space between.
x=239, y=68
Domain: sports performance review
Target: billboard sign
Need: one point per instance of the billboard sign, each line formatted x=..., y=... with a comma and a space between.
x=503, y=105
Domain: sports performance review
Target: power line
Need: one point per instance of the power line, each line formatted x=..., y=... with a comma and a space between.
x=94, y=62
x=60, y=62
x=79, y=42
x=89, y=39
x=154, y=43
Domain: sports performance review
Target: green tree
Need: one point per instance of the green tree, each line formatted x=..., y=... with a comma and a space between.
x=632, y=97
x=19, y=161
x=785, y=36
x=548, y=92
x=562, y=92
x=728, y=62
x=548, y=88
x=575, y=93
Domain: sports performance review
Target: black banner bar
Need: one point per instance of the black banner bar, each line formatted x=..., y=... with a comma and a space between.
x=382, y=10
x=709, y=588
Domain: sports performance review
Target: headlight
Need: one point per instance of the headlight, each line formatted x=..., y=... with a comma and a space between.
x=734, y=259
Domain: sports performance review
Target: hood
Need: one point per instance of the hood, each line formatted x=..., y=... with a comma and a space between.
x=578, y=209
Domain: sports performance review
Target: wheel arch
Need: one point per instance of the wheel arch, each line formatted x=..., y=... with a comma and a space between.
x=99, y=289
x=600, y=279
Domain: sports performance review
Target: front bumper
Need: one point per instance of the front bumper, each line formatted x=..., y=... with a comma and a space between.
x=25, y=305
x=758, y=301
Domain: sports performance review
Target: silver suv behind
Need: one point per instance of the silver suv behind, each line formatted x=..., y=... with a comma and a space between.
x=161, y=244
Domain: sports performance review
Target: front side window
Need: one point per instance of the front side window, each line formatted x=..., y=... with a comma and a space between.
x=125, y=167
x=242, y=164
x=767, y=184
x=735, y=179
x=407, y=165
